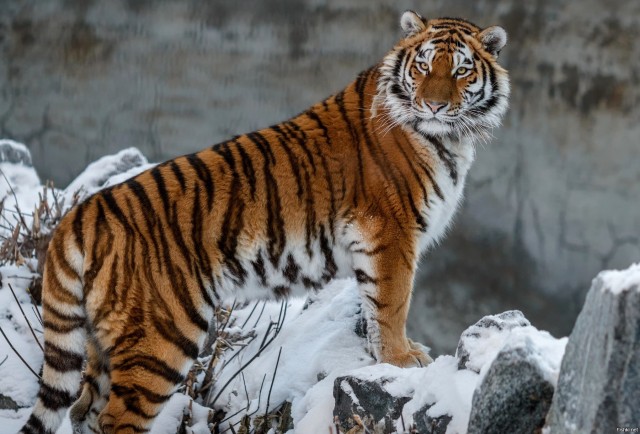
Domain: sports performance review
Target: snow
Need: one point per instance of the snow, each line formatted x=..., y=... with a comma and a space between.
x=280, y=351
x=107, y=171
x=316, y=342
x=617, y=281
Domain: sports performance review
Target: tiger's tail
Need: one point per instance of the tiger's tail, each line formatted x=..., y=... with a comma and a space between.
x=64, y=334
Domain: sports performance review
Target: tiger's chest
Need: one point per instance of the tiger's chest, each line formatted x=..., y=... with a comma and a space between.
x=450, y=172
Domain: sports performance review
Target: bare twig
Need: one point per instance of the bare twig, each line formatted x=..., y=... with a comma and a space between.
x=250, y=314
x=19, y=355
x=273, y=379
x=25, y=317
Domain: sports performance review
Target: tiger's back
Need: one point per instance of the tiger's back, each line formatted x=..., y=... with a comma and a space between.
x=349, y=187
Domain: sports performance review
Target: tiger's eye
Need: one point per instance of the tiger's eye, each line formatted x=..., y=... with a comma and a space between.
x=424, y=66
x=461, y=71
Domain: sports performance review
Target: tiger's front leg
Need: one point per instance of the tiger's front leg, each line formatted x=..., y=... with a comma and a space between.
x=385, y=270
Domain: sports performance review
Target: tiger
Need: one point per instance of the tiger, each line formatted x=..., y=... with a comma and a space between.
x=360, y=184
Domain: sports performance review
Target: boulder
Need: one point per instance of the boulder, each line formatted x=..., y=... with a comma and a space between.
x=425, y=424
x=599, y=385
x=478, y=343
x=14, y=153
x=357, y=398
x=514, y=395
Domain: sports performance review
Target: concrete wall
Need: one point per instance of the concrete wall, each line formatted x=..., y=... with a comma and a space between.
x=551, y=200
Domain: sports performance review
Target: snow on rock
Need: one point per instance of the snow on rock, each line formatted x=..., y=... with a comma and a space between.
x=19, y=182
x=356, y=396
x=479, y=343
x=107, y=171
x=599, y=386
x=14, y=153
x=516, y=391
x=484, y=381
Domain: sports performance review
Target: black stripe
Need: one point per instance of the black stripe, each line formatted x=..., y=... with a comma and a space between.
x=422, y=224
x=62, y=262
x=135, y=389
x=310, y=215
x=446, y=158
x=302, y=141
x=415, y=173
x=330, y=267
x=230, y=231
x=116, y=210
x=77, y=226
x=275, y=222
x=258, y=267
x=35, y=426
x=203, y=173
x=247, y=168
x=327, y=172
x=62, y=360
x=162, y=190
x=363, y=277
x=65, y=328
x=281, y=291
x=339, y=100
x=54, y=399
x=150, y=364
x=399, y=60
x=291, y=270
x=197, y=234
x=172, y=334
x=178, y=174
x=283, y=138
x=50, y=310
x=180, y=288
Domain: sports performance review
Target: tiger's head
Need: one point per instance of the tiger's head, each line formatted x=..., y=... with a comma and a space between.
x=443, y=78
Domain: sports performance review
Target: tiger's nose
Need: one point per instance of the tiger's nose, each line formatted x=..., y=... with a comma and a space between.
x=435, y=106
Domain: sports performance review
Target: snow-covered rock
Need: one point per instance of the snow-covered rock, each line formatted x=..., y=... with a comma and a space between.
x=369, y=401
x=478, y=343
x=503, y=378
x=19, y=182
x=107, y=171
x=514, y=395
x=14, y=153
x=599, y=385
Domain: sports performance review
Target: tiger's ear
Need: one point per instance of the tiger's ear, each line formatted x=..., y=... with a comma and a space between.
x=412, y=23
x=493, y=38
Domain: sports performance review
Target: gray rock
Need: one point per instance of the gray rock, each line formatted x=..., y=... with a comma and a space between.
x=489, y=325
x=599, y=384
x=6, y=403
x=15, y=153
x=514, y=396
x=425, y=424
x=368, y=400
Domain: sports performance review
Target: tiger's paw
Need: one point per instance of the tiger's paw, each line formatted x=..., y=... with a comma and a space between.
x=416, y=356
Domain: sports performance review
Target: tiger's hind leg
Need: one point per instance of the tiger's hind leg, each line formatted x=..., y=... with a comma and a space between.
x=143, y=378
x=95, y=392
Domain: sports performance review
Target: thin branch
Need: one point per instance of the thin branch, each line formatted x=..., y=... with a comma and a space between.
x=273, y=379
x=19, y=355
x=25, y=317
x=250, y=314
x=260, y=316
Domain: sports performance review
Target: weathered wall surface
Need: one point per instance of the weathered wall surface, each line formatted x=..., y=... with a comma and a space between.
x=551, y=201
